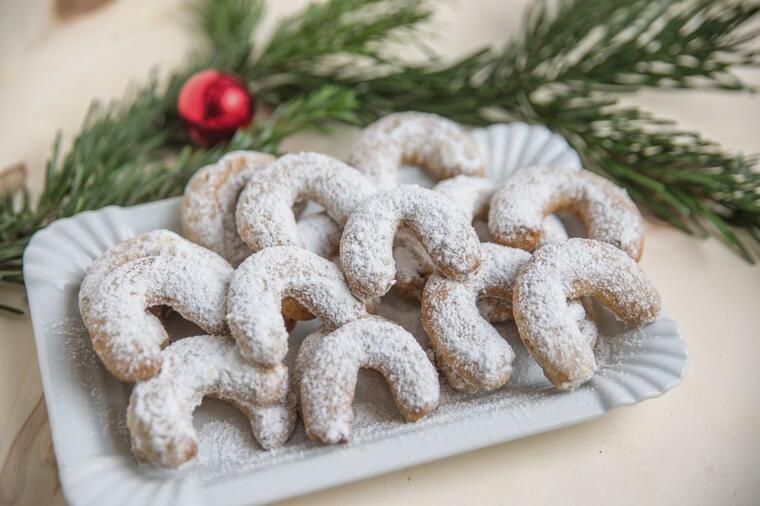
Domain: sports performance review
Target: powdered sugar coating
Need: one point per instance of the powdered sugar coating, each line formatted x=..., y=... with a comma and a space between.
x=433, y=142
x=473, y=195
x=210, y=199
x=366, y=248
x=568, y=271
x=466, y=341
x=454, y=380
x=264, y=211
x=160, y=412
x=126, y=337
x=319, y=234
x=330, y=364
x=264, y=279
x=154, y=243
x=518, y=208
x=273, y=425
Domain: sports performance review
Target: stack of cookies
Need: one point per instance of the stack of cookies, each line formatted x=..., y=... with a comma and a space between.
x=255, y=260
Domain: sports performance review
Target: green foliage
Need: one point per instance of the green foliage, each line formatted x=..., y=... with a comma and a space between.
x=566, y=69
x=325, y=33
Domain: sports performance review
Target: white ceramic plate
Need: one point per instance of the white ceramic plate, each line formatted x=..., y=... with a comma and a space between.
x=87, y=406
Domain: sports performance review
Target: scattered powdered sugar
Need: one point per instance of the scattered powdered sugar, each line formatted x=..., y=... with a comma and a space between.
x=518, y=208
x=264, y=279
x=366, y=249
x=567, y=271
x=226, y=446
x=91, y=389
x=439, y=145
x=210, y=199
x=319, y=234
x=223, y=444
x=264, y=211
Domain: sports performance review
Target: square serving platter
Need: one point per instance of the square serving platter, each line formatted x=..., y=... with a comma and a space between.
x=87, y=406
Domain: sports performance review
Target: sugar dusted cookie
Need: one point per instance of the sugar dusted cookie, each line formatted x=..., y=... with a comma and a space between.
x=460, y=336
x=366, y=248
x=518, y=208
x=264, y=212
x=264, y=279
x=563, y=272
x=160, y=409
x=432, y=142
x=330, y=362
x=210, y=198
x=114, y=306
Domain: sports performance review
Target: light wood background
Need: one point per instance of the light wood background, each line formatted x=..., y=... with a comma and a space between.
x=699, y=444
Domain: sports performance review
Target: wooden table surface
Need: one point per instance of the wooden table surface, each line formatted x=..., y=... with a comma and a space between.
x=699, y=444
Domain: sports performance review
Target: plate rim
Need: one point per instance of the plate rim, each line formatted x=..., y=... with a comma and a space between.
x=79, y=476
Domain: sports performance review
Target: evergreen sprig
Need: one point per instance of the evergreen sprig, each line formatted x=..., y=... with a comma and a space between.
x=567, y=70
x=332, y=63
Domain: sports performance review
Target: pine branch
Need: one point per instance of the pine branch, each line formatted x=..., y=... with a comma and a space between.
x=681, y=177
x=566, y=70
x=627, y=44
x=228, y=27
x=325, y=32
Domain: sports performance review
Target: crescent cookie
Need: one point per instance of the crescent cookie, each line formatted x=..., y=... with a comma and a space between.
x=519, y=207
x=160, y=412
x=264, y=279
x=127, y=337
x=463, y=339
x=210, y=200
x=155, y=243
x=208, y=205
x=264, y=211
x=473, y=195
x=567, y=271
x=432, y=142
x=366, y=248
x=330, y=363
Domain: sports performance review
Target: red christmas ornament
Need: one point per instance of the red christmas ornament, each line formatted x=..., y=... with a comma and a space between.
x=214, y=105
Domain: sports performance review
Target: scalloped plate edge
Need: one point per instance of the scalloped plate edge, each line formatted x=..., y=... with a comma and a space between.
x=92, y=474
